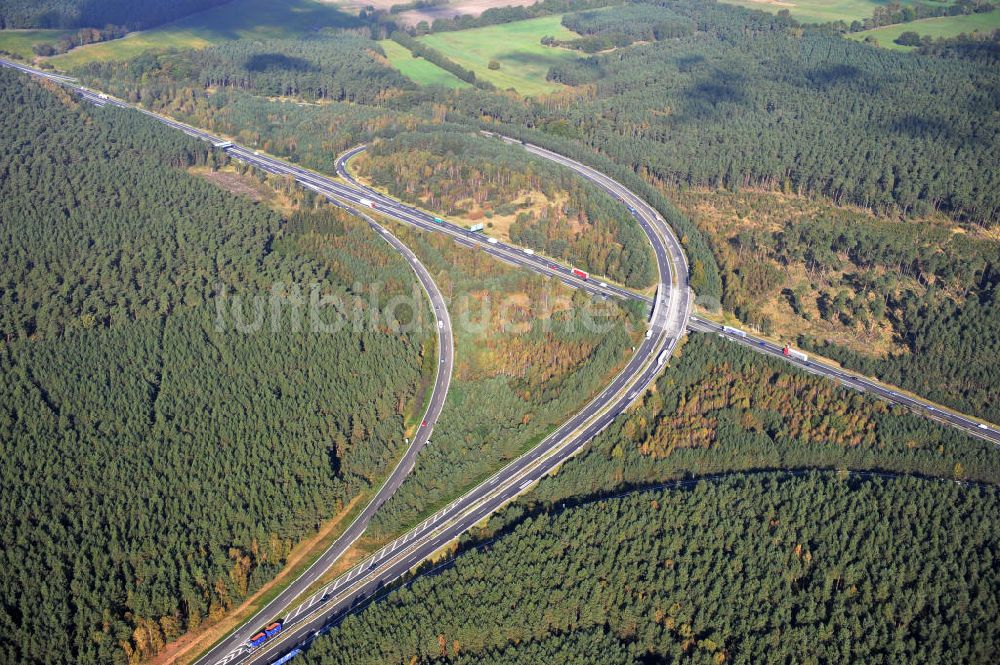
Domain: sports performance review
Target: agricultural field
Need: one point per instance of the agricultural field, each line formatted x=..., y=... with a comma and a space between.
x=240, y=19
x=819, y=11
x=942, y=26
x=418, y=70
x=20, y=42
x=524, y=62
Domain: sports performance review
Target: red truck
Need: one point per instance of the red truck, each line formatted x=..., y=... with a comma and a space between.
x=579, y=273
x=792, y=353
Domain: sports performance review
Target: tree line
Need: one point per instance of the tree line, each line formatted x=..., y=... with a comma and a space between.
x=434, y=56
x=343, y=67
x=603, y=30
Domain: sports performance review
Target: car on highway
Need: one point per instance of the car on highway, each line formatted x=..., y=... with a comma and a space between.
x=982, y=426
x=493, y=241
x=423, y=424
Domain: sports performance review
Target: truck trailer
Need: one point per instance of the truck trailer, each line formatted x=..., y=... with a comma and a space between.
x=793, y=353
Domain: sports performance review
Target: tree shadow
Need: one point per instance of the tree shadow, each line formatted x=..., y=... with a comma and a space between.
x=264, y=62
x=708, y=96
x=522, y=58
x=830, y=75
x=686, y=63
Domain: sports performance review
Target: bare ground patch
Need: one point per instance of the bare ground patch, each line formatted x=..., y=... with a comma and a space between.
x=192, y=644
x=230, y=180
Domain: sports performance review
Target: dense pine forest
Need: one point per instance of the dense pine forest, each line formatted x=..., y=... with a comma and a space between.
x=462, y=174
x=84, y=13
x=766, y=568
x=751, y=99
x=164, y=454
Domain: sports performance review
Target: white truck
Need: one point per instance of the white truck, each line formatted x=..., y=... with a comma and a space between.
x=367, y=202
x=794, y=353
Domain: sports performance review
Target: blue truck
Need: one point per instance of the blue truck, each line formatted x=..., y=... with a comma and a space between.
x=264, y=634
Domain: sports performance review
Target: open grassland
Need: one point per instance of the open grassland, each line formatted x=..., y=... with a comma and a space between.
x=240, y=19
x=524, y=62
x=820, y=11
x=20, y=42
x=942, y=26
x=418, y=70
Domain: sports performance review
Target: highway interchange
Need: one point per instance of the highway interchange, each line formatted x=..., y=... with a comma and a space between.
x=671, y=317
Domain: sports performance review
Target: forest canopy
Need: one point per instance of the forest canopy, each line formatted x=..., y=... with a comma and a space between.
x=86, y=13
x=743, y=569
x=753, y=100
x=165, y=460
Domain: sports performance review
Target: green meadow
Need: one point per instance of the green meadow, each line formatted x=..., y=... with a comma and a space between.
x=20, y=42
x=418, y=70
x=943, y=26
x=524, y=62
x=820, y=11
x=240, y=19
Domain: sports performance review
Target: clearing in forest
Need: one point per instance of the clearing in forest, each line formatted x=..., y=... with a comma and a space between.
x=418, y=70
x=941, y=26
x=240, y=19
x=821, y=11
x=524, y=62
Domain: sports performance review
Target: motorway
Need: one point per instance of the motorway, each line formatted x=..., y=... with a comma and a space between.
x=667, y=323
x=970, y=426
x=671, y=316
x=439, y=392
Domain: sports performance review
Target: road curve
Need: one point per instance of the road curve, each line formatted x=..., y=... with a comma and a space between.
x=439, y=393
x=668, y=322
